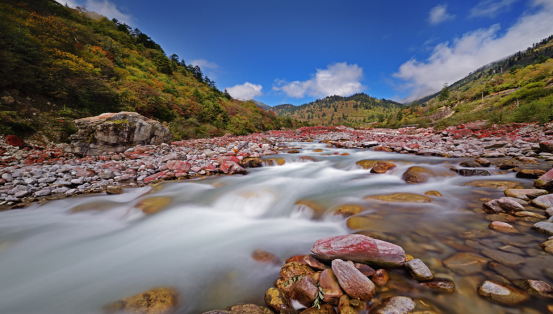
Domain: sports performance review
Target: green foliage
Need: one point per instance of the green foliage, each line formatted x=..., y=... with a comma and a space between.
x=536, y=111
x=90, y=65
x=319, y=298
x=444, y=94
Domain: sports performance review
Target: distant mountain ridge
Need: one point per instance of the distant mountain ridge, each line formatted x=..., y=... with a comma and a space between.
x=355, y=110
x=261, y=105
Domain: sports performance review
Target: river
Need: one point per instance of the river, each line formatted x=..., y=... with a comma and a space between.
x=58, y=257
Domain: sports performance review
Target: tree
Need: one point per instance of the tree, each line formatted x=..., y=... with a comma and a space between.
x=227, y=95
x=444, y=94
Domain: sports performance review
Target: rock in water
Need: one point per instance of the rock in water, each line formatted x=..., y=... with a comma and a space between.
x=353, y=282
x=116, y=132
x=419, y=270
x=382, y=167
x=544, y=201
x=276, y=300
x=545, y=181
x=400, y=198
x=416, y=175
x=360, y=248
x=403, y=305
x=304, y=291
x=535, y=287
x=157, y=301
x=508, y=259
x=331, y=288
x=381, y=277
x=466, y=263
x=544, y=227
x=500, y=293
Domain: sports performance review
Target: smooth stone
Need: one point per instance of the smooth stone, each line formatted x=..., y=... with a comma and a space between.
x=530, y=173
x=314, y=263
x=529, y=214
x=545, y=181
x=549, y=212
x=507, y=259
x=417, y=174
x=419, y=271
x=348, y=210
x=503, y=204
x=498, y=185
x=537, y=287
x=403, y=305
x=381, y=277
x=276, y=300
x=472, y=172
x=154, y=204
x=547, y=246
x=359, y=248
x=161, y=300
x=544, y=201
x=382, y=167
x=247, y=309
x=503, y=227
x=114, y=190
x=366, y=163
x=543, y=227
x=401, y=198
x=265, y=257
x=441, y=285
x=324, y=309
x=466, y=263
x=501, y=293
x=364, y=269
x=289, y=271
x=529, y=193
x=479, y=234
x=331, y=287
x=501, y=217
x=304, y=291
x=353, y=282
x=504, y=271
x=433, y=193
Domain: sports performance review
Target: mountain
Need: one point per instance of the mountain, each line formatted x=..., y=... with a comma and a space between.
x=355, y=111
x=58, y=64
x=518, y=88
x=261, y=105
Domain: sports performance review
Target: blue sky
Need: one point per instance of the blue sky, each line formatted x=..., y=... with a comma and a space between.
x=295, y=51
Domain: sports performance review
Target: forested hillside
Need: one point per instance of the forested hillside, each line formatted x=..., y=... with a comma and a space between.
x=356, y=110
x=59, y=63
x=516, y=89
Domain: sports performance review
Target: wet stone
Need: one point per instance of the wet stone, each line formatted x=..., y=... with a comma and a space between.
x=525, y=193
x=543, y=227
x=498, y=185
x=419, y=271
x=381, y=277
x=544, y=201
x=433, y=193
x=504, y=271
x=537, y=287
x=331, y=287
x=365, y=269
x=401, y=198
x=349, y=210
x=275, y=299
x=156, y=301
x=479, y=234
x=353, y=282
x=304, y=291
x=507, y=259
x=466, y=263
x=530, y=173
x=503, y=227
x=547, y=246
x=501, y=217
x=440, y=285
x=501, y=293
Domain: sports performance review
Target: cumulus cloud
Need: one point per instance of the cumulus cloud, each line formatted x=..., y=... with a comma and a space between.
x=490, y=7
x=449, y=62
x=438, y=14
x=246, y=91
x=338, y=79
x=102, y=7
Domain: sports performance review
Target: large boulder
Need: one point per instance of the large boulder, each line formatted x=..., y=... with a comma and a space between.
x=116, y=132
x=360, y=248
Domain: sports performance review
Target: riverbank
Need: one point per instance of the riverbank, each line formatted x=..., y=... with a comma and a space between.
x=34, y=171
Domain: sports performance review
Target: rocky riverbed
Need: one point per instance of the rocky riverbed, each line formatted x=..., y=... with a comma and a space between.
x=326, y=220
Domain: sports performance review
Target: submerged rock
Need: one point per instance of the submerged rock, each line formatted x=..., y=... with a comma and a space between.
x=530, y=173
x=547, y=246
x=466, y=263
x=419, y=270
x=403, y=305
x=349, y=210
x=537, y=287
x=501, y=293
x=440, y=285
x=153, y=204
x=161, y=300
x=498, y=185
x=525, y=194
x=502, y=227
x=401, y=198
x=504, y=204
x=416, y=174
x=366, y=163
x=352, y=281
x=248, y=309
x=359, y=248
x=507, y=259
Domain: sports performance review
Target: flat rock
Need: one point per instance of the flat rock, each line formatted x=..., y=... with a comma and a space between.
x=504, y=258
x=353, y=282
x=472, y=172
x=498, y=185
x=530, y=173
x=537, y=287
x=331, y=287
x=466, y=263
x=359, y=248
x=276, y=300
x=544, y=201
x=401, y=198
x=500, y=293
x=502, y=227
x=503, y=204
x=304, y=291
x=419, y=271
x=417, y=174
x=161, y=300
x=528, y=193
x=543, y=227
x=545, y=181
x=440, y=285
x=382, y=167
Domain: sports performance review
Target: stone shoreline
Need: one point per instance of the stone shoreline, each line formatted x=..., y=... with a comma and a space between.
x=31, y=172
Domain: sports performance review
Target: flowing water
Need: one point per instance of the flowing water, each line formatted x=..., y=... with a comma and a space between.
x=76, y=255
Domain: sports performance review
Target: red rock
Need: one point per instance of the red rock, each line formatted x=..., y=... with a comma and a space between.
x=364, y=269
x=360, y=248
x=154, y=177
x=178, y=165
x=314, y=263
x=223, y=159
x=304, y=291
x=14, y=140
x=297, y=259
x=331, y=288
x=545, y=181
x=353, y=282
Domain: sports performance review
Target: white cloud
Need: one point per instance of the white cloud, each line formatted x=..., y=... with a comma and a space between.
x=246, y=91
x=438, y=14
x=338, y=79
x=204, y=64
x=451, y=62
x=490, y=7
x=102, y=7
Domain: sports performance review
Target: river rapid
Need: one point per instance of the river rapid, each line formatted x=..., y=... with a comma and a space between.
x=75, y=255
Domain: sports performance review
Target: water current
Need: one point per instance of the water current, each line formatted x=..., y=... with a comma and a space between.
x=75, y=255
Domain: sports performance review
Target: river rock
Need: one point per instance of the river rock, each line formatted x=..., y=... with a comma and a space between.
x=366, y=163
x=382, y=167
x=154, y=204
x=324, y=309
x=547, y=246
x=498, y=185
x=359, y=248
x=525, y=194
x=549, y=211
x=504, y=258
x=314, y=263
x=114, y=190
x=304, y=291
x=433, y=193
x=537, y=287
x=161, y=300
x=289, y=271
x=276, y=300
x=344, y=306
x=466, y=263
x=416, y=175
x=502, y=227
x=353, y=282
x=331, y=287
x=364, y=269
x=483, y=161
x=247, y=309
x=403, y=305
x=530, y=173
x=349, y=210
x=381, y=277
x=401, y=198
x=544, y=201
x=419, y=271
x=470, y=164
x=503, y=204
x=501, y=217
x=543, y=227
x=545, y=181
x=116, y=132
x=440, y=285
x=265, y=257
x=501, y=293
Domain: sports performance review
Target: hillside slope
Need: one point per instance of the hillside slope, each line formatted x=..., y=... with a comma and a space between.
x=355, y=111
x=516, y=89
x=58, y=64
